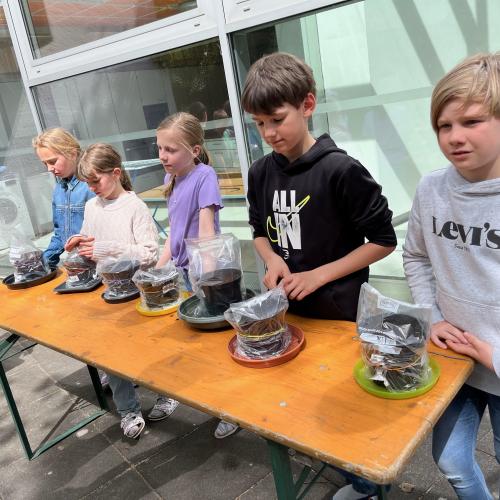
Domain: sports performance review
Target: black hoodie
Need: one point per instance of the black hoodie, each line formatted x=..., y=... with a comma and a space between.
x=325, y=204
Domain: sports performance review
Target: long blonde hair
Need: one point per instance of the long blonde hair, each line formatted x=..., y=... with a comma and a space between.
x=102, y=158
x=474, y=80
x=191, y=133
x=58, y=140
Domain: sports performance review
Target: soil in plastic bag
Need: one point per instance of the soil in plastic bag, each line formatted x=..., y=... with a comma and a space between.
x=220, y=288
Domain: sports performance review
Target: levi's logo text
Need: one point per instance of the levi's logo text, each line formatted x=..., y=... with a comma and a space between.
x=478, y=236
x=283, y=227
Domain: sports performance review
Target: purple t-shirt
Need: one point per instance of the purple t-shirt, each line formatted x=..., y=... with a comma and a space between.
x=196, y=190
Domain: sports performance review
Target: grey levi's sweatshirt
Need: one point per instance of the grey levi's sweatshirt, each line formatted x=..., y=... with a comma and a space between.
x=452, y=259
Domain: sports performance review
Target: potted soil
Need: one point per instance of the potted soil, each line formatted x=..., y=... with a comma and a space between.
x=117, y=274
x=28, y=265
x=397, y=359
x=220, y=288
x=159, y=288
x=80, y=270
x=260, y=324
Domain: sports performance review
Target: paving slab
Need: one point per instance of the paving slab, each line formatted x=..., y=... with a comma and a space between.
x=201, y=467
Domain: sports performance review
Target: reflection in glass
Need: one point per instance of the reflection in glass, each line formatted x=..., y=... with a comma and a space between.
x=123, y=104
x=56, y=25
x=375, y=64
x=25, y=186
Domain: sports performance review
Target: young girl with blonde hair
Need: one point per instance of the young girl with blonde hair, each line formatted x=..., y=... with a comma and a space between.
x=116, y=223
x=59, y=150
x=193, y=201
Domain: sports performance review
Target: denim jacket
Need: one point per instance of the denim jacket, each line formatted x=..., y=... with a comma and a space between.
x=68, y=205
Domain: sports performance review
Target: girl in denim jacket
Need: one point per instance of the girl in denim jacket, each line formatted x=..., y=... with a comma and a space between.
x=59, y=150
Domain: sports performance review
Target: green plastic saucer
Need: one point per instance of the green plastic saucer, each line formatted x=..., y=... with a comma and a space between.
x=371, y=387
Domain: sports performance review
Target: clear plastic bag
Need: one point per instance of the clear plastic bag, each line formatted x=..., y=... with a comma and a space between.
x=117, y=274
x=260, y=325
x=160, y=288
x=80, y=270
x=26, y=259
x=215, y=271
x=393, y=338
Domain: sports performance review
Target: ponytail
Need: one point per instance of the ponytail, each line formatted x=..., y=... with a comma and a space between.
x=203, y=157
x=125, y=180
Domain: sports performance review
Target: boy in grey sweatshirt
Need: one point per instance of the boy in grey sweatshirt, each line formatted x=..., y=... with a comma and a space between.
x=452, y=258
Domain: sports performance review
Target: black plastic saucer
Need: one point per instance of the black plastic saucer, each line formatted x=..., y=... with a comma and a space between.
x=85, y=286
x=121, y=298
x=189, y=310
x=9, y=281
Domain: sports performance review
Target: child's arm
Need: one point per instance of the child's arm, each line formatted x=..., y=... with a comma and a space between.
x=299, y=285
x=166, y=254
x=275, y=265
x=420, y=277
x=206, y=226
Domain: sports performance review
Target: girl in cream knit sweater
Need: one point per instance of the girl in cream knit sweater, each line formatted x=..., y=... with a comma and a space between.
x=116, y=222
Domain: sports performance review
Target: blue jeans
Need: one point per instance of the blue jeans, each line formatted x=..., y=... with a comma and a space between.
x=124, y=395
x=454, y=441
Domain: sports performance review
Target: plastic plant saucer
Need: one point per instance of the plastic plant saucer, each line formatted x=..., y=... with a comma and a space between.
x=296, y=345
x=370, y=386
x=86, y=286
x=155, y=312
x=9, y=281
x=188, y=309
x=122, y=298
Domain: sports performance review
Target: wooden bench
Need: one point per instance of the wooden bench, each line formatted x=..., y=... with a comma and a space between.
x=311, y=404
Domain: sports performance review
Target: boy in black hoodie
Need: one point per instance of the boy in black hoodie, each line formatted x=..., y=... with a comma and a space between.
x=311, y=205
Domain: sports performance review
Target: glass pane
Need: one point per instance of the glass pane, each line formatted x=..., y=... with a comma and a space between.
x=55, y=25
x=25, y=185
x=124, y=104
x=375, y=64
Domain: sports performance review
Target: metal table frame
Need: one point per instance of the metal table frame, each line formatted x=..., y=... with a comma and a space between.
x=5, y=346
x=286, y=487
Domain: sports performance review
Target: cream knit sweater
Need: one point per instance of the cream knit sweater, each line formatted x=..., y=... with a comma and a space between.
x=121, y=227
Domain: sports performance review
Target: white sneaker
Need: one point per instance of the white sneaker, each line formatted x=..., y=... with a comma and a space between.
x=349, y=493
x=225, y=429
x=103, y=377
x=132, y=424
x=163, y=408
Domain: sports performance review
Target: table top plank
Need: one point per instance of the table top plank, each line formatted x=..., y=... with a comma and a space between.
x=311, y=403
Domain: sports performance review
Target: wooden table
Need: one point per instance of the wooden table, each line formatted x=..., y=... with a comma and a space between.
x=311, y=404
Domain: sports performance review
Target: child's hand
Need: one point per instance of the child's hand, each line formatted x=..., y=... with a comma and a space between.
x=276, y=269
x=477, y=349
x=73, y=242
x=442, y=332
x=300, y=285
x=86, y=247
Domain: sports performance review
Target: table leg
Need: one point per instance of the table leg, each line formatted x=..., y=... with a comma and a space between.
x=282, y=471
x=5, y=345
x=286, y=489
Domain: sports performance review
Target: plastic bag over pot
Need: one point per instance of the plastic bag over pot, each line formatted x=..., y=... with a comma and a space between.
x=215, y=271
x=260, y=324
x=393, y=338
x=117, y=273
x=80, y=269
x=159, y=288
x=26, y=259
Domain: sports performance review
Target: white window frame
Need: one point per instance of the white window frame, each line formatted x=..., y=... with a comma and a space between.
x=241, y=14
x=182, y=29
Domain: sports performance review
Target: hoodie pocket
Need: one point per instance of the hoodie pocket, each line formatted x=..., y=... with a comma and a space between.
x=483, y=320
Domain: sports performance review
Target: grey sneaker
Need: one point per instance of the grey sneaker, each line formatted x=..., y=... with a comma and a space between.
x=225, y=429
x=132, y=424
x=103, y=376
x=163, y=408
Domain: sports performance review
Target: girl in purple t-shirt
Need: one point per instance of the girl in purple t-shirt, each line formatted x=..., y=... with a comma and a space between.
x=193, y=201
